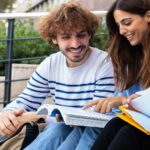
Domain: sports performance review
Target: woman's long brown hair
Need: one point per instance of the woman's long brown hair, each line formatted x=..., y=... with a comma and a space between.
x=131, y=63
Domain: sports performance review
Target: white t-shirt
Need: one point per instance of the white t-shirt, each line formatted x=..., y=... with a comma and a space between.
x=68, y=86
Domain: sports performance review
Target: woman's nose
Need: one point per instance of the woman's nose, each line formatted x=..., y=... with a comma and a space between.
x=122, y=30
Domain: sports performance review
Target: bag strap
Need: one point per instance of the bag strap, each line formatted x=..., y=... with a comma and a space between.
x=32, y=131
x=25, y=120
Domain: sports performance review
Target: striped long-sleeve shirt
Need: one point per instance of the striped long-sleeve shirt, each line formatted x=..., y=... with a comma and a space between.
x=67, y=86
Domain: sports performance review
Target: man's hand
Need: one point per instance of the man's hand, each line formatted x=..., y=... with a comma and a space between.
x=58, y=118
x=9, y=122
x=105, y=105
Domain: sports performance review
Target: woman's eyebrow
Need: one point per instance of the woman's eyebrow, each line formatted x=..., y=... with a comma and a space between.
x=124, y=19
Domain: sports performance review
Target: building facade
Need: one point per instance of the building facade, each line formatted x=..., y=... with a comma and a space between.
x=45, y=5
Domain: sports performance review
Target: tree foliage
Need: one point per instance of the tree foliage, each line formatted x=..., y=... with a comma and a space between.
x=6, y=4
x=24, y=48
x=36, y=47
x=29, y=48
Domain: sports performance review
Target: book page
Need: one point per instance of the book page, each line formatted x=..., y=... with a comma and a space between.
x=141, y=119
x=44, y=110
x=142, y=104
x=79, y=112
x=76, y=116
x=48, y=109
x=146, y=91
x=72, y=111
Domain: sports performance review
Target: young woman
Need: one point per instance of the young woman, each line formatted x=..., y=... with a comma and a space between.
x=128, y=23
x=119, y=135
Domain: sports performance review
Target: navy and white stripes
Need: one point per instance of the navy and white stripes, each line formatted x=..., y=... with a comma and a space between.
x=68, y=86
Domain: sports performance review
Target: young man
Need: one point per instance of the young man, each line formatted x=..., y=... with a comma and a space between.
x=72, y=77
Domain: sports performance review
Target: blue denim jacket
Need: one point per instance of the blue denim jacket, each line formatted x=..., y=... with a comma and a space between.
x=133, y=89
x=127, y=92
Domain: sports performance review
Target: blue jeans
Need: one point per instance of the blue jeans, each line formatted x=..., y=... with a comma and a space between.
x=51, y=137
x=2, y=138
x=58, y=136
x=80, y=139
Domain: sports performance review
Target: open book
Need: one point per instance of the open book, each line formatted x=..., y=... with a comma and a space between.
x=140, y=116
x=76, y=116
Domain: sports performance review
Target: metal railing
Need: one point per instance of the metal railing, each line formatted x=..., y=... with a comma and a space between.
x=11, y=17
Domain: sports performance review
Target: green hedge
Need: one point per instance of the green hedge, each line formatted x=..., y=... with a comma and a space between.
x=29, y=48
x=38, y=47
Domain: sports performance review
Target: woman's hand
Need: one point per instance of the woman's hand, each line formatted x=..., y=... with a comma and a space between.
x=126, y=102
x=105, y=105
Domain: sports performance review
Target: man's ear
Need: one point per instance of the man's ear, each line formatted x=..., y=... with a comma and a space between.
x=54, y=40
x=147, y=16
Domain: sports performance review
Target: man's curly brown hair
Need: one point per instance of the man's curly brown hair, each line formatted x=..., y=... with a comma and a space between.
x=67, y=17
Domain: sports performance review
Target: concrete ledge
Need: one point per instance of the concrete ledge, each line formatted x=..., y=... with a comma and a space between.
x=1, y=87
x=19, y=71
